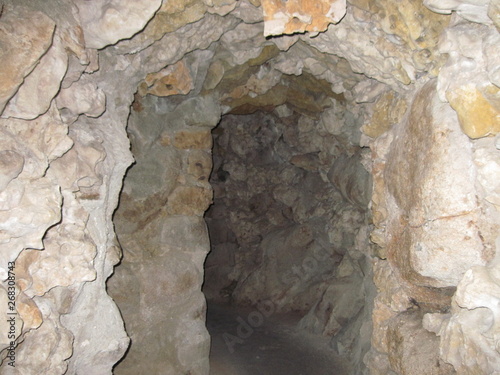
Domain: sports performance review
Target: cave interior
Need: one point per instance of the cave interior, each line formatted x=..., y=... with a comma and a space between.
x=335, y=161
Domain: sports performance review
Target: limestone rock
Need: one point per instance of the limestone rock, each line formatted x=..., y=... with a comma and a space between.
x=297, y=16
x=169, y=17
x=106, y=23
x=470, y=336
x=486, y=160
x=494, y=12
x=393, y=28
x=410, y=181
x=82, y=97
x=330, y=313
x=413, y=350
x=108, y=335
x=160, y=228
x=470, y=70
x=248, y=12
x=173, y=80
x=48, y=269
x=475, y=11
x=193, y=139
x=11, y=164
x=23, y=43
x=41, y=85
x=46, y=349
x=199, y=164
x=388, y=110
x=352, y=180
x=293, y=224
x=190, y=200
x=478, y=118
x=244, y=42
x=201, y=111
x=19, y=197
x=79, y=169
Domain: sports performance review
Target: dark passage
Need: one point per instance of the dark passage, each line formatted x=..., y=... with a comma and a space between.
x=246, y=342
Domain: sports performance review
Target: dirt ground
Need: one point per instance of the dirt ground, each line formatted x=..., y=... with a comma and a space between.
x=246, y=341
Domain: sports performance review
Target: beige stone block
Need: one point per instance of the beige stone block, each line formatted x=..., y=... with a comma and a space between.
x=173, y=80
x=478, y=118
x=388, y=111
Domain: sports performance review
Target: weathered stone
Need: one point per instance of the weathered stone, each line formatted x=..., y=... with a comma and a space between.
x=478, y=118
x=352, y=180
x=67, y=256
x=33, y=216
x=199, y=164
x=11, y=165
x=29, y=312
x=298, y=16
x=309, y=162
x=173, y=80
x=106, y=23
x=475, y=11
x=193, y=139
x=201, y=111
x=412, y=349
x=468, y=336
x=394, y=28
x=25, y=36
x=486, y=160
x=82, y=98
x=248, y=12
x=170, y=17
x=427, y=205
x=494, y=12
x=331, y=313
x=41, y=85
x=189, y=200
x=388, y=110
x=46, y=349
x=293, y=225
x=244, y=42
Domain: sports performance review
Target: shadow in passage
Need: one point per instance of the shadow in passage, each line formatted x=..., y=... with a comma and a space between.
x=246, y=342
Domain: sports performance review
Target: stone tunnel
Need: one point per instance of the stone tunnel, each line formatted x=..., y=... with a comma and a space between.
x=336, y=160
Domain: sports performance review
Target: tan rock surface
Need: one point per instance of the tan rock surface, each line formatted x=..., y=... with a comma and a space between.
x=22, y=46
x=298, y=16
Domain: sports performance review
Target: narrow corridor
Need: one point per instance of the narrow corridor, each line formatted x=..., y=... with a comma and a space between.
x=246, y=342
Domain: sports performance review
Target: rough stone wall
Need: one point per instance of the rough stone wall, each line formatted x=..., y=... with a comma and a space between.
x=423, y=76
x=163, y=235
x=435, y=212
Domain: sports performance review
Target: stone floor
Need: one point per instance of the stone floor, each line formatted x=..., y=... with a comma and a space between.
x=247, y=342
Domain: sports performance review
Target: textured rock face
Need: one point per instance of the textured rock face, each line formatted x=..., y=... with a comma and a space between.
x=297, y=16
x=402, y=93
x=435, y=219
x=22, y=46
x=162, y=232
